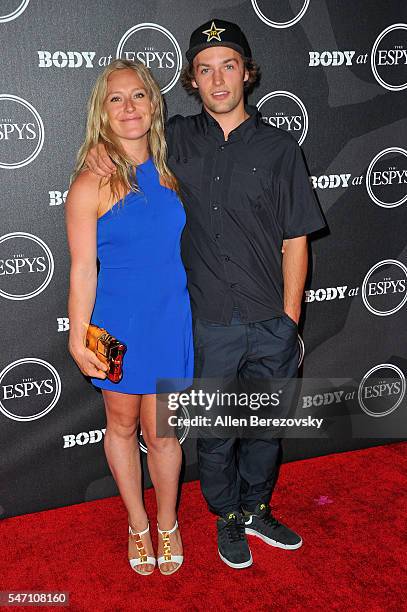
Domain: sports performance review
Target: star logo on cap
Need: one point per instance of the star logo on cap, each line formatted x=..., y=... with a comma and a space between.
x=213, y=32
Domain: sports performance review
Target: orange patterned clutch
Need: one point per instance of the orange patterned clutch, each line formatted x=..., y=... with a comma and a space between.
x=108, y=349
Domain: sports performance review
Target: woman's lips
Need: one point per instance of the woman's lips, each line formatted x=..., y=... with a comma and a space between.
x=132, y=119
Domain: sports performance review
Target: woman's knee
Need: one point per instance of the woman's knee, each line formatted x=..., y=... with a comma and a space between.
x=160, y=445
x=122, y=426
x=122, y=415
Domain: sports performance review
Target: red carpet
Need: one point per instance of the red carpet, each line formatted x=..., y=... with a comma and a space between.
x=350, y=509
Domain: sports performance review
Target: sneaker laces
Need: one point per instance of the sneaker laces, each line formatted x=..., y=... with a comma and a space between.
x=234, y=528
x=268, y=518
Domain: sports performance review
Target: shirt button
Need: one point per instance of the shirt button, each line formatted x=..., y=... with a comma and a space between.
x=215, y=206
x=216, y=178
x=221, y=148
x=233, y=285
x=227, y=258
x=217, y=236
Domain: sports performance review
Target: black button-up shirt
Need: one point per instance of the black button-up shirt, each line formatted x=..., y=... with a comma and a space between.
x=242, y=197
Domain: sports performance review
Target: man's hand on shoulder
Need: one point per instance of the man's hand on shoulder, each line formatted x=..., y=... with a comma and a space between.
x=98, y=161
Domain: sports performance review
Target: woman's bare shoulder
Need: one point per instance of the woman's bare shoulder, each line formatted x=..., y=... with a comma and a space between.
x=89, y=190
x=86, y=183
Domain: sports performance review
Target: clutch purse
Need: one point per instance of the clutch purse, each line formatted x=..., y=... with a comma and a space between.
x=108, y=349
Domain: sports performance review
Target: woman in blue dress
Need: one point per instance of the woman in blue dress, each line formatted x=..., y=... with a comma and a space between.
x=132, y=222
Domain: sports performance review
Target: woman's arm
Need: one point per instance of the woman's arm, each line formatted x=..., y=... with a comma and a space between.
x=81, y=224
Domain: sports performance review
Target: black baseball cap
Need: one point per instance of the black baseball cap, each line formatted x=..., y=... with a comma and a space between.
x=217, y=33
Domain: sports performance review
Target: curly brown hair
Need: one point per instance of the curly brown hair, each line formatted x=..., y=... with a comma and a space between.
x=187, y=76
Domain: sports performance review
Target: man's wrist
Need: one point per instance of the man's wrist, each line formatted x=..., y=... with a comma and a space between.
x=293, y=312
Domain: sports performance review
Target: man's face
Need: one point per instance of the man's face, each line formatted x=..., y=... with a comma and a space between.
x=219, y=77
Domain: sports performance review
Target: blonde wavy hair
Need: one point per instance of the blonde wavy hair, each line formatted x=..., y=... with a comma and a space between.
x=98, y=130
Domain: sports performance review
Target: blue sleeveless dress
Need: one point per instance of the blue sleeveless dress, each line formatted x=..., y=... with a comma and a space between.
x=141, y=295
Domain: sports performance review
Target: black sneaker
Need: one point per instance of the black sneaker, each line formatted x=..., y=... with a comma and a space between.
x=261, y=523
x=232, y=543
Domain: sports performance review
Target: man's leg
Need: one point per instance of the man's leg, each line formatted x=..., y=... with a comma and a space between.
x=219, y=351
x=273, y=354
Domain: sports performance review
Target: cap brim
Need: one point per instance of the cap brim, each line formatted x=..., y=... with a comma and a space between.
x=190, y=54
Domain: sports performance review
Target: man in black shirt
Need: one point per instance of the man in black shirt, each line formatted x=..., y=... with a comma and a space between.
x=247, y=197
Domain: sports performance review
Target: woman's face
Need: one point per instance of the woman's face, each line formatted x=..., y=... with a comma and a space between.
x=128, y=106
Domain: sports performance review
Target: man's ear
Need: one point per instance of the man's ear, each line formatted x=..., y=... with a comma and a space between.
x=194, y=84
x=246, y=75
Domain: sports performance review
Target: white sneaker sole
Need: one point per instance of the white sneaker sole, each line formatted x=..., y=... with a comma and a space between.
x=236, y=565
x=270, y=541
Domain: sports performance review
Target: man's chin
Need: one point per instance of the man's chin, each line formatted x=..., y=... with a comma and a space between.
x=221, y=107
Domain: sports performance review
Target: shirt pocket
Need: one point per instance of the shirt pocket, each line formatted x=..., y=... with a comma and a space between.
x=189, y=171
x=248, y=188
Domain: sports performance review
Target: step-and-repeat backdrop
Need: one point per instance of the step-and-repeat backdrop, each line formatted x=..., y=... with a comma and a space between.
x=334, y=74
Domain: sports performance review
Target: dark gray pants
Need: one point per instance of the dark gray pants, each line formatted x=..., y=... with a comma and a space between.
x=237, y=472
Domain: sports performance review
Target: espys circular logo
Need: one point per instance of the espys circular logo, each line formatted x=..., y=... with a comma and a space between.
x=386, y=178
x=10, y=9
x=155, y=47
x=26, y=266
x=21, y=132
x=29, y=389
x=381, y=394
x=280, y=14
x=181, y=431
x=384, y=288
x=388, y=58
x=284, y=110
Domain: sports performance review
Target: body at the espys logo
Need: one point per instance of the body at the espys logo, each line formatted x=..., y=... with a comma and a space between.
x=280, y=14
x=388, y=57
x=285, y=110
x=21, y=132
x=17, y=7
x=157, y=48
x=383, y=291
x=29, y=389
x=386, y=178
x=26, y=266
x=150, y=43
x=384, y=288
x=381, y=390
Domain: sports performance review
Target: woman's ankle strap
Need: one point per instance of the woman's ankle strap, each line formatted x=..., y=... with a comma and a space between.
x=139, y=532
x=168, y=530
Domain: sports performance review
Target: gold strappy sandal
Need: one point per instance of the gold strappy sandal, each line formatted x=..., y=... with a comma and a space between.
x=142, y=558
x=168, y=557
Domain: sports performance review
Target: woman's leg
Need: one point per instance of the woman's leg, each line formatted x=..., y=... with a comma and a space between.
x=123, y=456
x=164, y=458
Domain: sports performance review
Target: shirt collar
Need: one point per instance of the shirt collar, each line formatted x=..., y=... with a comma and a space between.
x=244, y=131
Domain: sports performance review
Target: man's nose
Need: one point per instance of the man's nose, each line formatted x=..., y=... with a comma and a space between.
x=218, y=77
